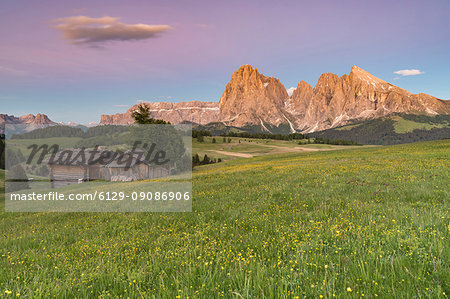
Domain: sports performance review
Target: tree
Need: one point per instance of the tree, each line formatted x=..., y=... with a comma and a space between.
x=43, y=170
x=200, y=138
x=214, y=140
x=16, y=179
x=196, y=133
x=206, y=160
x=195, y=160
x=184, y=164
x=142, y=116
x=2, y=152
x=11, y=158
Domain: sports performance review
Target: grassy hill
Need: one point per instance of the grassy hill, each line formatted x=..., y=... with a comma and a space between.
x=249, y=147
x=217, y=128
x=361, y=222
x=394, y=129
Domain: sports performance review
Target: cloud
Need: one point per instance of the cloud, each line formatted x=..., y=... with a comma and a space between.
x=412, y=72
x=290, y=90
x=95, y=31
x=121, y=106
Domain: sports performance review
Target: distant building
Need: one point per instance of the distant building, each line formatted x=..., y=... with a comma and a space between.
x=76, y=169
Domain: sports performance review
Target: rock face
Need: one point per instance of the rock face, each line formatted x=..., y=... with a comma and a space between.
x=251, y=98
x=9, y=124
x=335, y=101
x=29, y=119
x=194, y=111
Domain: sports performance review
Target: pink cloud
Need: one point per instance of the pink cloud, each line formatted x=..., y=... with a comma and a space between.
x=94, y=31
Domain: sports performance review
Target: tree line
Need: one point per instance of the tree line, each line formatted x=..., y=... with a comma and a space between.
x=382, y=132
x=320, y=140
x=66, y=131
x=199, y=135
x=292, y=136
x=196, y=161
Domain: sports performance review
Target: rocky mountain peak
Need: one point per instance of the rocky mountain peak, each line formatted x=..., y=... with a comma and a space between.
x=358, y=73
x=248, y=76
x=42, y=119
x=326, y=83
x=299, y=102
x=28, y=119
x=246, y=70
x=251, y=97
x=193, y=111
x=303, y=90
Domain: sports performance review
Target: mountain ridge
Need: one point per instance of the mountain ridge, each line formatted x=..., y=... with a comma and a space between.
x=396, y=128
x=193, y=111
x=253, y=99
x=28, y=119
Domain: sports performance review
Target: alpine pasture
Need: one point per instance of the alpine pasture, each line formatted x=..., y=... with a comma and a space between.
x=362, y=222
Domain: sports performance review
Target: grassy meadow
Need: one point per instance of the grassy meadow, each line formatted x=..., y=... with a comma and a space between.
x=362, y=222
x=249, y=147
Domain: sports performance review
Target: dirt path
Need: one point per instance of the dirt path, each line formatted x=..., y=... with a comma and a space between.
x=242, y=155
x=285, y=149
x=276, y=150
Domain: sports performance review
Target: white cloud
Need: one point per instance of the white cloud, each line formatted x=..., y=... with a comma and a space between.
x=122, y=106
x=94, y=31
x=290, y=90
x=412, y=72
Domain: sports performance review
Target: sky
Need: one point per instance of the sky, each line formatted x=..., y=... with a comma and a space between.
x=76, y=60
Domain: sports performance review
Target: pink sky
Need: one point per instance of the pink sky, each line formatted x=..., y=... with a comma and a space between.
x=40, y=71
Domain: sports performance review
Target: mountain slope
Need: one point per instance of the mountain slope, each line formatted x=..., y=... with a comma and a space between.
x=393, y=129
x=251, y=98
x=337, y=100
x=193, y=111
x=29, y=119
x=258, y=102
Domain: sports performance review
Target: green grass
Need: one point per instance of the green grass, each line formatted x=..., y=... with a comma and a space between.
x=254, y=147
x=370, y=220
x=348, y=127
x=63, y=142
x=402, y=125
x=249, y=146
x=23, y=144
x=398, y=128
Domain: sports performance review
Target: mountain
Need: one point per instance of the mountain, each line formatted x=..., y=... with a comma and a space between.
x=252, y=100
x=335, y=101
x=23, y=123
x=29, y=119
x=193, y=111
x=392, y=129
